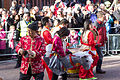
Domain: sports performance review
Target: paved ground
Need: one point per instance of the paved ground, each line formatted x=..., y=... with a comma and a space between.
x=111, y=64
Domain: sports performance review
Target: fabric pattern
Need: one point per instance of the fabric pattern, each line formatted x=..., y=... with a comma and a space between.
x=38, y=47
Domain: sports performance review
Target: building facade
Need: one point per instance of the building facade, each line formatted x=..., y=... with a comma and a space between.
x=40, y=3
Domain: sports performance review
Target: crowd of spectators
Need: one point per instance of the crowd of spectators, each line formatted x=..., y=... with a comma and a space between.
x=15, y=21
x=71, y=14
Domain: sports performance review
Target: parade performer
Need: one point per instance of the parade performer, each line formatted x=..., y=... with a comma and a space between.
x=31, y=47
x=45, y=33
x=59, y=47
x=88, y=42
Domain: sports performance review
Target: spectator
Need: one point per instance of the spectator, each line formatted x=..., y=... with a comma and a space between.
x=22, y=25
x=21, y=13
x=24, y=8
x=11, y=36
x=73, y=38
x=78, y=15
x=92, y=13
x=100, y=27
x=88, y=2
x=60, y=14
x=22, y=28
x=13, y=14
x=6, y=21
x=2, y=41
x=40, y=27
x=14, y=6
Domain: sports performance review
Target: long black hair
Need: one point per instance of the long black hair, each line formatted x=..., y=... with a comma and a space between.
x=86, y=25
x=63, y=32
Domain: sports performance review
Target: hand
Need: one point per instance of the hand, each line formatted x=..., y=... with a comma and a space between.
x=31, y=53
x=21, y=51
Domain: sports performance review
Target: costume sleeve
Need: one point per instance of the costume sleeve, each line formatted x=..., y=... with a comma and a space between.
x=19, y=46
x=47, y=37
x=58, y=47
x=105, y=34
x=2, y=35
x=40, y=50
x=91, y=39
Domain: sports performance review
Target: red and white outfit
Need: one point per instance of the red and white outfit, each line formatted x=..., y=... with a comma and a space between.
x=10, y=37
x=37, y=46
x=45, y=33
x=88, y=41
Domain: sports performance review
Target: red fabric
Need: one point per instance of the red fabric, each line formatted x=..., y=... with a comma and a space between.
x=49, y=71
x=2, y=42
x=56, y=9
x=102, y=38
x=85, y=73
x=90, y=41
x=47, y=37
x=48, y=40
x=86, y=7
x=58, y=46
x=94, y=1
x=88, y=73
x=38, y=46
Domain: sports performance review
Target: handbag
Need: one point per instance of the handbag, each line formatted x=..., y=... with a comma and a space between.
x=55, y=65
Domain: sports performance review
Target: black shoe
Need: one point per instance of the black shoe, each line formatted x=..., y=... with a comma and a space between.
x=100, y=72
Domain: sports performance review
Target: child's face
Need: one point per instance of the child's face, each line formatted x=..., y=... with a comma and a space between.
x=12, y=28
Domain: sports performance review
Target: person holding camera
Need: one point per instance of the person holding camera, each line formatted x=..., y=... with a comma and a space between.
x=31, y=48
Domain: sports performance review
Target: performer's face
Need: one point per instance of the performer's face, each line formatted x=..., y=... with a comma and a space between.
x=31, y=33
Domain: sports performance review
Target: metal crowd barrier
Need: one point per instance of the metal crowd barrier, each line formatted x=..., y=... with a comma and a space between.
x=113, y=43
x=112, y=47
x=8, y=51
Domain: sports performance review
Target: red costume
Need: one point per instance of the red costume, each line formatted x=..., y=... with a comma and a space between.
x=46, y=35
x=88, y=40
x=102, y=38
x=36, y=45
x=48, y=40
x=59, y=47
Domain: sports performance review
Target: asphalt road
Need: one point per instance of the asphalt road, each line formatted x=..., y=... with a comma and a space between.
x=111, y=65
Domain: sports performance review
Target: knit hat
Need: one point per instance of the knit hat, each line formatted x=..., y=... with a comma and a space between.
x=34, y=26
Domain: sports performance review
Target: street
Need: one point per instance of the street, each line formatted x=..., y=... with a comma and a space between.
x=111, y=65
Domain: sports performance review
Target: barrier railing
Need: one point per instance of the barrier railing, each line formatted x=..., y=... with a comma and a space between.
x=4, y=42
x=112, y=46
x=113, y=43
